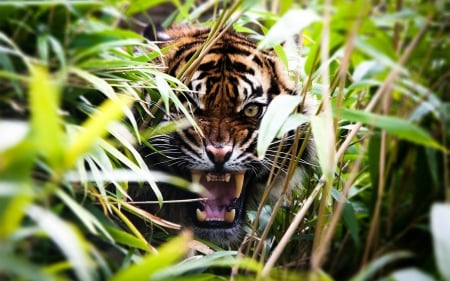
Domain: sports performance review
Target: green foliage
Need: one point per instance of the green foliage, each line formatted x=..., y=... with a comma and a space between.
x=273, y=125
x=75, y=78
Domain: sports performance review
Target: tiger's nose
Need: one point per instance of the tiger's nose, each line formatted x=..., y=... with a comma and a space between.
x=219, y=154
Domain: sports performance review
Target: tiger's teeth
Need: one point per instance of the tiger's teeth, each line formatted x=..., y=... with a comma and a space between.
x=201, y=215
x=229, y=215
x=218, y=178
x=239, y=178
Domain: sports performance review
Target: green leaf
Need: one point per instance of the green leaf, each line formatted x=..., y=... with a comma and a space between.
x=164, y=128
x=142, y=5
x=89, y=220
x=378, y=49
x=16, y=162
x=97, y=82
x=141, y=171
x=286, y=5
x=58, y=50
x=167, y=255
x=95, y=127
x=292, y=122
x=352, y=222
x=67, y=238
x=393, y=125
x=46, y=124
x=277, y=113
x=216, y=259
x=126, y=238
x=325, y=144
x=21, y=268
x=125, y=175
x=13, y=209
x=374, y=153
x=104, y=46
x=281, y=55
x=167, y=94
x=349, y=217
x=87, y=40
x=7, y=70
x=288, y=25
x=200, y=277
x=380, y=263
x=440, y=230
x=409, y=274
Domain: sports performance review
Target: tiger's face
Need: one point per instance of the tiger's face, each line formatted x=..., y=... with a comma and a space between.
x=229, y=94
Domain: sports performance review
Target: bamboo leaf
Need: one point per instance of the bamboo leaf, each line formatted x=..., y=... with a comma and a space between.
x=140, y=171
x=288, y=25
x=277, y=113
x=379, y=51
x=220, y=258
x=324, y=140
x=394, y=126
x=167, y=255
x=167, y=95
x=97, y=82
x=89, y=221
x=12, y=211
x=126, y=238
x=68, y=240
x=46, y=124
x=380, y=263
x=95, y=127
x=349, y=216
x=292, y=122
x=142, y=5
x=106, y=45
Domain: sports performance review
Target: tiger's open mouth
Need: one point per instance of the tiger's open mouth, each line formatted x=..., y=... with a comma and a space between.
x=224, y=202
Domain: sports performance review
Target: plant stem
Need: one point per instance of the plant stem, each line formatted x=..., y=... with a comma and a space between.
x=292, y=228
x=331, y=147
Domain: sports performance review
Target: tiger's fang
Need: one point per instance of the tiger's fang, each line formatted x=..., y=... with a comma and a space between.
x=239, y=178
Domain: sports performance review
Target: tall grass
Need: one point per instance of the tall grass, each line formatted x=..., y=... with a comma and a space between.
x=376, y=206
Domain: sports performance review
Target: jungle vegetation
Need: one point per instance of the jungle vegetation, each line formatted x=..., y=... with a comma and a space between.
x=73, y=73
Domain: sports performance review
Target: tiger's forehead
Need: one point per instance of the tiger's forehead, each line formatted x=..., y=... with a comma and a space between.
x=233, y=73
x=230, y=81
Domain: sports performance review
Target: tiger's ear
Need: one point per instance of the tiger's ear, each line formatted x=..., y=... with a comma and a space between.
x=156, y=32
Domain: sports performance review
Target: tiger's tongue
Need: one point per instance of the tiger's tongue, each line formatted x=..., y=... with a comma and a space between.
x=221, y=190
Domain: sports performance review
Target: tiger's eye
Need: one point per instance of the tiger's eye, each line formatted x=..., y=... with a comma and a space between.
x=252, y=110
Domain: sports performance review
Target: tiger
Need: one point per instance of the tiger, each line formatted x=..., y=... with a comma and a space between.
x=229, y=92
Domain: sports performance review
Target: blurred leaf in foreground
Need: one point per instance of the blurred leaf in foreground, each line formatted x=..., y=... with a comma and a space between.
x=440, y=229
x=46, y=124
x=96, y=126
x=167, y=255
